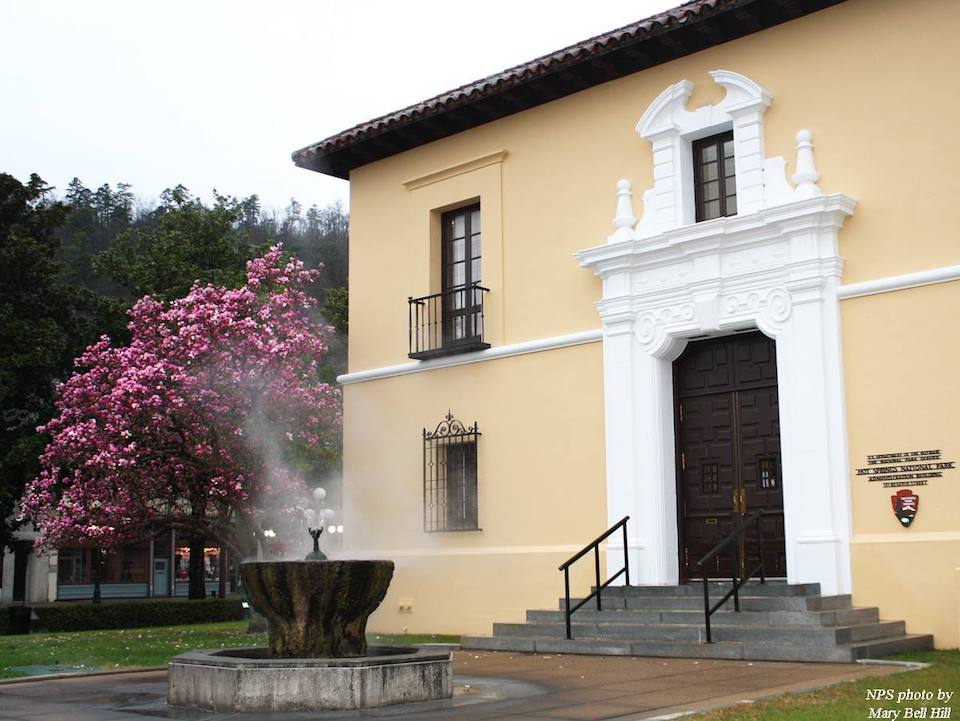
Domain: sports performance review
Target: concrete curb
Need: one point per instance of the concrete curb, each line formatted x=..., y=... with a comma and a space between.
x=84, y=674
x=901, y=664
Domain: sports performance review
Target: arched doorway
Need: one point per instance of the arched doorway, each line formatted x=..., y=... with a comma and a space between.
x=728, y=451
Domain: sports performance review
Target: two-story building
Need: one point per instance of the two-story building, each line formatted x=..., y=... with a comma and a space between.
x=768, y=324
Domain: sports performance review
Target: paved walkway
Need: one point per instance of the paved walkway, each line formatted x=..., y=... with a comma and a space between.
x=489, y=685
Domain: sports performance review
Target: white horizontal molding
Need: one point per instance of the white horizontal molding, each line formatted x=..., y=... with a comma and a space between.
x=810, y=539
x=900, y=282
x=865, y=539
x=481, y=161
x=503, y=351
x=633, y=544
x=460, y=551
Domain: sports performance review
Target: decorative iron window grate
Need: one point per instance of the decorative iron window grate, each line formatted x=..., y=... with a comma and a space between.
x=450, y=476
x=768, y=472
x=710, y=478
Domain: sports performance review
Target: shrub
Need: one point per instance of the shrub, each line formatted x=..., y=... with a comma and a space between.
x=132, y=614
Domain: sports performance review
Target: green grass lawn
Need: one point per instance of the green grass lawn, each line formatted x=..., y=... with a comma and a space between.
x=97, y=650
x=848, y=701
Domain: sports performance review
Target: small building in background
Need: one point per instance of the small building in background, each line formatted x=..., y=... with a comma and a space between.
x=152, y=569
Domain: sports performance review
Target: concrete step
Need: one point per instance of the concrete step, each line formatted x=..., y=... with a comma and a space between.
x=878, y=647
x=870, y=631
x=612, y=631
x=589, y=614
x=830, y=603
x=832, y=635
x=716, y=588
x=745, y=633
x=693, y=603
x=842, y=653
x=776, y=622
x=605, y=647
x=752, y=650
x=688, y=649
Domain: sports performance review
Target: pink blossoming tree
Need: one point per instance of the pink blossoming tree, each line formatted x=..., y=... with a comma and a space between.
x=197, y=424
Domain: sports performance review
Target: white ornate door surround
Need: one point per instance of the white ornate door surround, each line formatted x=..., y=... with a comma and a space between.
x=666, y=279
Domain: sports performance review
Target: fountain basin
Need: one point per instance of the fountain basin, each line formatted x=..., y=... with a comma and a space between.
x=316, y=609
x=248, y=679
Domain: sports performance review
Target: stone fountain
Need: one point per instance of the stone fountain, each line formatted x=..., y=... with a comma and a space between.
x=317, y=658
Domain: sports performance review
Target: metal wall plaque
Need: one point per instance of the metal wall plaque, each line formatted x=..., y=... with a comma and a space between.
x=905, y=468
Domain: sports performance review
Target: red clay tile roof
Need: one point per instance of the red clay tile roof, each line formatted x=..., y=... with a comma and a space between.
x=741, y=17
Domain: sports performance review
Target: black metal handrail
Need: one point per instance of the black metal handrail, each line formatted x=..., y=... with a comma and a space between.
x=447, y=322
x=595, y=545
x=736, y=533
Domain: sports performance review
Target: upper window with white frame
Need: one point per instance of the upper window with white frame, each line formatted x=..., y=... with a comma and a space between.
x=461, y=272
x=714, y=176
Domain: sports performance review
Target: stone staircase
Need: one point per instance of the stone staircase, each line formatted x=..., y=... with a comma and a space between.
x=777, y=622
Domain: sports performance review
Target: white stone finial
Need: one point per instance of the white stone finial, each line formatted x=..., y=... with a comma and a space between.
x=624, y=220
x=806, y=176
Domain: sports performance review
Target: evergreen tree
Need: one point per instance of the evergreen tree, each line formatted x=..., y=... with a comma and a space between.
x=44, y=323
x=182, y=242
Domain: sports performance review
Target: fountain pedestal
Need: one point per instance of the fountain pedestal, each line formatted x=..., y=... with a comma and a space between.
x=317, y=608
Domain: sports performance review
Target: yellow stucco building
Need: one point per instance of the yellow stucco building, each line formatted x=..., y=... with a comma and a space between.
x=770, y=322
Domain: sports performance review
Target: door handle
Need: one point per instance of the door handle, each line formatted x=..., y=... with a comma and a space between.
x=739, y=500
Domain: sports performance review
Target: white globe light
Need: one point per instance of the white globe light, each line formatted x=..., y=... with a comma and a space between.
x=329, y=513
x=319, y=494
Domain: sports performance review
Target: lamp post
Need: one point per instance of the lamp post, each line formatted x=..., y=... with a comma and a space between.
x=319, y=515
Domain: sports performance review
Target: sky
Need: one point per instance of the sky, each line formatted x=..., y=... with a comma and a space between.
x=216, y=94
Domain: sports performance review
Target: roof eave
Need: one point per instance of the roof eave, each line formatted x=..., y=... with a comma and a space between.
x=529, y=85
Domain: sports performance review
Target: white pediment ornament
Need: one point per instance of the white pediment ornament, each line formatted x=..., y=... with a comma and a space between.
x=668, y=113
x=671, y=128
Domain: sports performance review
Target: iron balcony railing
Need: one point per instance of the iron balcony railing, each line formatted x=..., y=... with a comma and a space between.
x=447, y=323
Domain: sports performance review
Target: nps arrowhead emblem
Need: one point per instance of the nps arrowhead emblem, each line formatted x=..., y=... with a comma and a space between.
x=905, y=504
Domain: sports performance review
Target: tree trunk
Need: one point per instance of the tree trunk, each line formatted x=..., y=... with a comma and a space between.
x=95, y=573
x=198, y=581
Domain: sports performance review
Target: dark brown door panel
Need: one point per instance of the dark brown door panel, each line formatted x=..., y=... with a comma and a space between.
x=728, y=450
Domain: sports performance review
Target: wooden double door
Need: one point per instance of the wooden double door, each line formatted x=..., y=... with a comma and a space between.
x=728, y=452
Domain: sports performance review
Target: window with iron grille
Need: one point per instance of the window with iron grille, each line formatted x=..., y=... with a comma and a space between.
x=450, y=476
x=714, y=177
